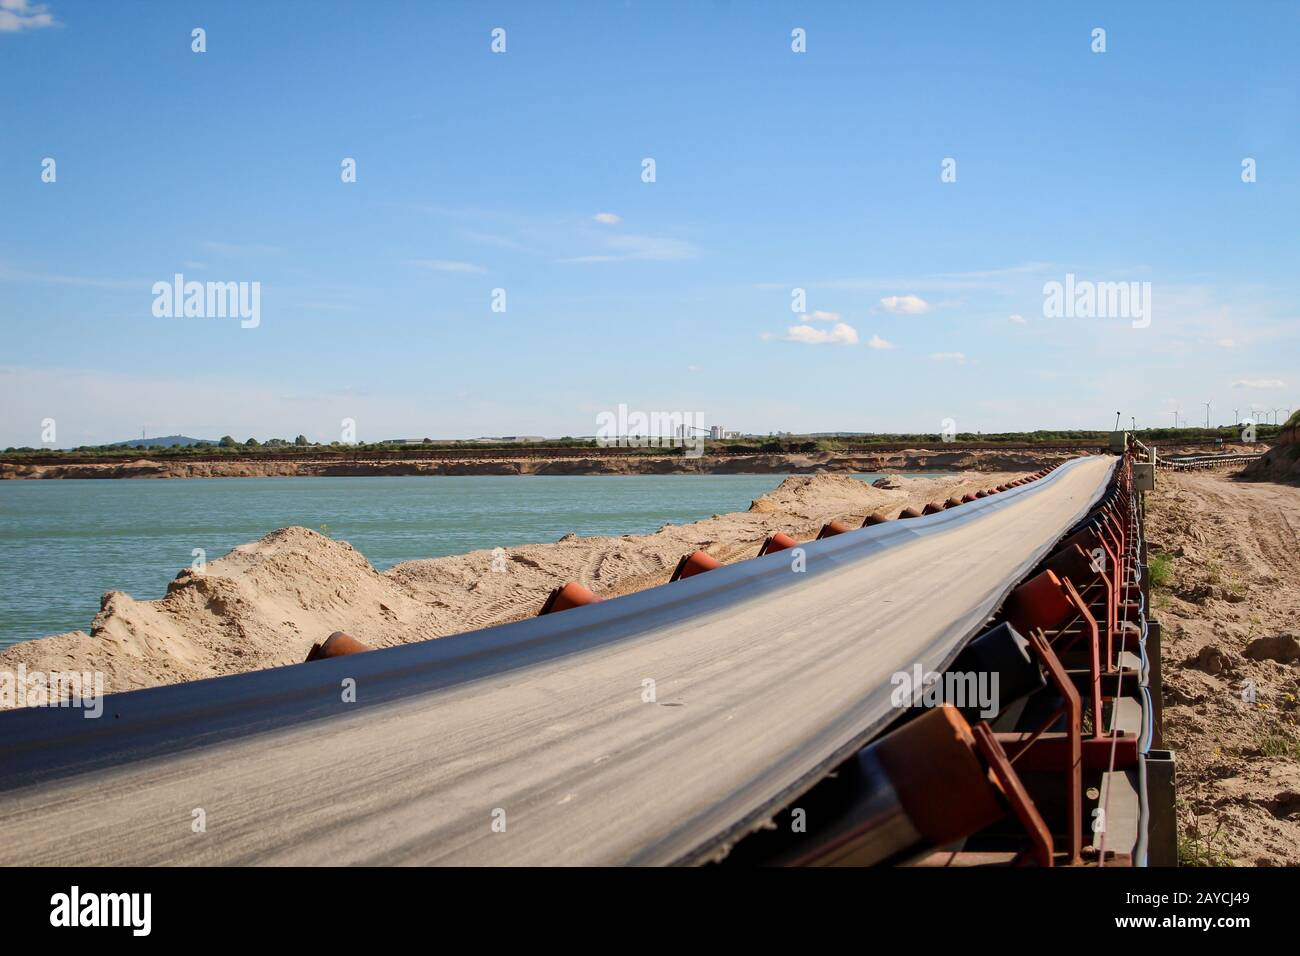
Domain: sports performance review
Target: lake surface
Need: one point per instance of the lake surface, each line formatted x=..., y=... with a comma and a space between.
x=63, y=543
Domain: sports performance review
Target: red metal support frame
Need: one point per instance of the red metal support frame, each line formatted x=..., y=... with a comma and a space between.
x=1015, y=745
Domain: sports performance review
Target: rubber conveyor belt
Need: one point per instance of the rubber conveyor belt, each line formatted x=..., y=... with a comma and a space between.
x=764, y=679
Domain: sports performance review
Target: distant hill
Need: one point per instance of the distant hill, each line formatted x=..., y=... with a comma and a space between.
x=167, y=441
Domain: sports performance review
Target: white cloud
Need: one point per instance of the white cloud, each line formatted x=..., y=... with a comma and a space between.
x=1018, y=319
x=1259, y=383
x=839, y=334
x=820, y=316
x=608, y=218
x=957, y=357
x=877, y=342
x=18, y=15
x=446, y=265
x=1226, y=343
x=905, y=304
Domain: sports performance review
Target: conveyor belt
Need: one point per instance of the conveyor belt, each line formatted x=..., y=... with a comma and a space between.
x=764, y=679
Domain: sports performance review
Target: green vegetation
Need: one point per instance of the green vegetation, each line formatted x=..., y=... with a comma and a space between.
x=1278, y=744
x=1161, y=568
x=1197, y=850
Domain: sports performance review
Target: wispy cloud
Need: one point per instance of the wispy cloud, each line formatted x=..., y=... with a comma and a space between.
x=1004, y=279
x=876, y=342
x=1018, y=319
x=1259, y=383
x=905, y=304
x=9, y=274
x=445, y=265
x=234, y=249
x=643, y=248
x=18, y=15
x=607, y=218
x=957, y=357
x=500, y=242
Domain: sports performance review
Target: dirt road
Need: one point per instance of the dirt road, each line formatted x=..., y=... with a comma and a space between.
x=1231, y=611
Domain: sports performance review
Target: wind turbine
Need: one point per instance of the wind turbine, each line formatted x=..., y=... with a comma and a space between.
x=1207, y=415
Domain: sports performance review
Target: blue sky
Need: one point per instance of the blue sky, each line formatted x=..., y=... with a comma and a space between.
x=775, y=170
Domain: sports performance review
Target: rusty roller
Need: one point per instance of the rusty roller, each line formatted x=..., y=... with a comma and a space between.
x=981, y=493
x=776, y=542
x=969, y=497
x=338, y=644
x=833, y=528
x=1074, y=564
x=1041, y=602
x=909, y=512
x=954, y=501
x=697, y=562
x=566, y=596
x=933, y=508
x=897, y=797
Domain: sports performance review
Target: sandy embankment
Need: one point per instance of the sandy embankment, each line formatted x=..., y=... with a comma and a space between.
x=265, y=603
x=1282, y=461
x=1230, y=613
x=912, y=460
x=939, y=458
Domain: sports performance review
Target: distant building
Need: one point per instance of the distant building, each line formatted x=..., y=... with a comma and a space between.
x=717, y=433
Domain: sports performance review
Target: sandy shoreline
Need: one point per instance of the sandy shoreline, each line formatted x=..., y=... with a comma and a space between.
x=265, y=603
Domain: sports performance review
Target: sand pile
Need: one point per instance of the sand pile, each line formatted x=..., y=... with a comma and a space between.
x=264, y=604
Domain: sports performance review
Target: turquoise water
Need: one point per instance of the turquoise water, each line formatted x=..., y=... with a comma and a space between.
x=63, y=543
